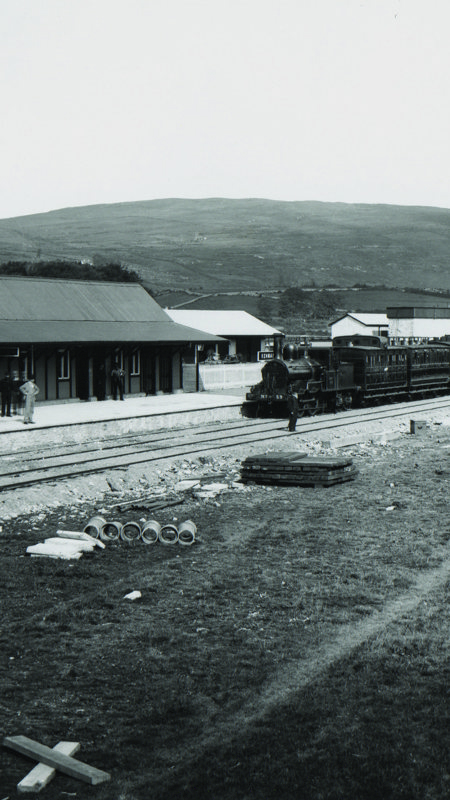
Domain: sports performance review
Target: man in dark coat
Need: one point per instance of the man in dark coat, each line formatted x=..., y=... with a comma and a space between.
x=292, y=403
x=5, y=386
x=117, y=381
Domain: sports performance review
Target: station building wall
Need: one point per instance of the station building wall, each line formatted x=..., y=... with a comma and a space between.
x=83, y=373
x=418, y=328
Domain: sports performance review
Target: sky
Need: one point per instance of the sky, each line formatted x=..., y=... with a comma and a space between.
x=107, y=101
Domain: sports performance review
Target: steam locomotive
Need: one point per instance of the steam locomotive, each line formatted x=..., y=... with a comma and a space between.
x=354, y=371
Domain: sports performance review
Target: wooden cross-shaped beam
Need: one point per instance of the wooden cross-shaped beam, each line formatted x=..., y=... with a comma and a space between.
x=41, y=775
x=56, y=759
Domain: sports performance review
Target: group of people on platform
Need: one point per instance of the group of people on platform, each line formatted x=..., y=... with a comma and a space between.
x=18, y=396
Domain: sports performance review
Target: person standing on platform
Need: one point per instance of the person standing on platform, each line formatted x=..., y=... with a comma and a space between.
x=117, y=381
x=101, y=382
x=16, y=396
x=292, y=404
x=29, y=391
x=5, y=388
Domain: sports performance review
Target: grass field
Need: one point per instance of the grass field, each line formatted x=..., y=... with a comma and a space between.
x=299, y=649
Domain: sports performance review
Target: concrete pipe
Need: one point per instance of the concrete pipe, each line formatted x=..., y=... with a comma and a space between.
x=95, y=526
x=130, y=531
x=111, y=531
x=150, y=531
x=186, y=532
x=168, y=534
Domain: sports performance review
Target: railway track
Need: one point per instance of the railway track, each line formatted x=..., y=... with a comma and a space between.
x=57, y=462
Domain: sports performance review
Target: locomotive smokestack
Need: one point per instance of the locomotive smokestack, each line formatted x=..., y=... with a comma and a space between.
x=277, y=345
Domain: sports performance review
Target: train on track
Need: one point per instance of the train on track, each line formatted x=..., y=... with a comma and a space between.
x=355, y=371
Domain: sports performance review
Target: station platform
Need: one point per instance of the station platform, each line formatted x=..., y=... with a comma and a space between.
x=76, y=421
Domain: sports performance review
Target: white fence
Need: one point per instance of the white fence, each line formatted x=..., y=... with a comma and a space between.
x=227, y=376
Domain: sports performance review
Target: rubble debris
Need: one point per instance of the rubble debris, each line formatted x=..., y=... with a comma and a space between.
x=211, y=477
x=133, y=595
x=148, y=503
x=299, y=470
x=183, y=486
x=155, y=506
x=417, y=426
x=211, y=490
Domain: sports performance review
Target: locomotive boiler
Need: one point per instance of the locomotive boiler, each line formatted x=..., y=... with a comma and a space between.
x=354, y=371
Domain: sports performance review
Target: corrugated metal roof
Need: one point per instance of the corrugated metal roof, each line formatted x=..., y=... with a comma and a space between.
x=31, y=331
x=46, y=299
x=222, y=323
x=41, y=310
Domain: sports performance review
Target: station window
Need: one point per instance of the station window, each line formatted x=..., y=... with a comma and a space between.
x=135, y=363
x=64, y=365
x=118, y=357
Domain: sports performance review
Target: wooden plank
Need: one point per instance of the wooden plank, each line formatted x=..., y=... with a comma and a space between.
x=268, y=458
x=80, y=535
x=41, y=775
x=67, y=764
x=280, y=479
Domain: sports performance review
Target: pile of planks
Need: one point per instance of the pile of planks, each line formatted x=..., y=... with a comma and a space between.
x=297, y=469
x=148, y=503
x=66, y=545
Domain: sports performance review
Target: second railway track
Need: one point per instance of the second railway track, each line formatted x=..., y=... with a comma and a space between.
x=57, y=462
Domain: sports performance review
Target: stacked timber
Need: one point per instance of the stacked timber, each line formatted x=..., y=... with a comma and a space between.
x=297, y=469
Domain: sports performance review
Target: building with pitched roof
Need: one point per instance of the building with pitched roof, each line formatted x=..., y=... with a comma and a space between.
x=370, y=324
x=246, y=336
x=69, y=334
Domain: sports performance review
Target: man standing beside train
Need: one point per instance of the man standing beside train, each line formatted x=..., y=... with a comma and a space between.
x=292, y=404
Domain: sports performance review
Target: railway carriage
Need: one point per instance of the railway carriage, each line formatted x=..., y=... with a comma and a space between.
x=355, y=371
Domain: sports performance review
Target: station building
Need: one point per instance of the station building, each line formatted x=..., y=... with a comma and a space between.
x=411, y=325
x=69, y=334
x=370, y=324
x=242, y=335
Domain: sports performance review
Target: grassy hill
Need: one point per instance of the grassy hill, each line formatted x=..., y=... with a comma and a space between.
x=218, y=245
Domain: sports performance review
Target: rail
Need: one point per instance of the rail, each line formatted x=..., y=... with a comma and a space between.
x=57, y=462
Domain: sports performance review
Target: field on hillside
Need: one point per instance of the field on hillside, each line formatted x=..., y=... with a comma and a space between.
x=299, y=648
x=237, y=245
x=266, y=306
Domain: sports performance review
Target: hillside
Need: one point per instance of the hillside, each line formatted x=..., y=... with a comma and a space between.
x=218, y=245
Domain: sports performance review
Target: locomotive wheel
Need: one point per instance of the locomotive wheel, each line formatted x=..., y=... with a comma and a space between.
x=347, y=401
x=312, y=406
